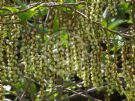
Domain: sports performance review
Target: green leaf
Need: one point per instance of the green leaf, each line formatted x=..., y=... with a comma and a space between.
x=56, y=24
x=64, y=39
x=52, y=97
x=116, y=23
x=43, y=11
x=79, y=7
x=19, y=86
x=124, y=7
x=26, y=15
x=32, y=89
x=104, y=23
x=12, y=9
x=3, y=12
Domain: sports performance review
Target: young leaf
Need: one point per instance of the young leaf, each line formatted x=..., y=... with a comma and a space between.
x=26, y=15
x=11, y=9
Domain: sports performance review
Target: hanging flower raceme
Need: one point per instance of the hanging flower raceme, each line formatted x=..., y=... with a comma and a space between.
x=68, y=41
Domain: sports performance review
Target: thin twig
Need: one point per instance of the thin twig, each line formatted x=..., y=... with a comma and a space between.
x=105, y=28
x=76, y=94
x=47, y=16
x=49, y=4
x=54, y=4
x=115, y=32
x=6, y=23
x=63, y=87
x=22, y=96
x=24, y=10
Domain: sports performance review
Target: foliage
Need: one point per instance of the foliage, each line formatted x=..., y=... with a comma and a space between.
x=44, y=44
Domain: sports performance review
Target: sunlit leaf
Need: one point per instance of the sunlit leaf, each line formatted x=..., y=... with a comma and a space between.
x=12, y=9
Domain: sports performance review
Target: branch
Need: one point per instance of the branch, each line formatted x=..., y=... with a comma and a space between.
x=22, y=96
x=54, y=4
x=105, y=28
x=49, y=4
x=6, y=23
x=47, y=16
x=78, y=94
x=71, y=84
x=116, y=32
x=24, y=10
